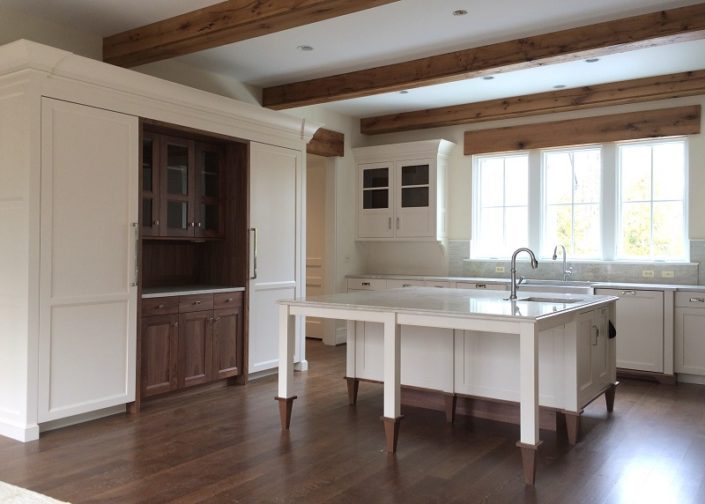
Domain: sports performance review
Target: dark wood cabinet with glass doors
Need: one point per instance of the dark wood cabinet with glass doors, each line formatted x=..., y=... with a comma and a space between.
x=182, y=188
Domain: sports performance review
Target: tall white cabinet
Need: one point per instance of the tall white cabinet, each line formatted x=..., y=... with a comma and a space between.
x=69, y=136
x=401, y=192
x=274, y=229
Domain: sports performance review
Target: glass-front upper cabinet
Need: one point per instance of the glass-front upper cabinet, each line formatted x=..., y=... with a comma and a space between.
x=376, y=199
x=178, y=186
x=150, y=186
x=209, y=202
x=415, y=185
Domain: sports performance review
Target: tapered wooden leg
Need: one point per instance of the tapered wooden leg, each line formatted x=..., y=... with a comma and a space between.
x=353, y=386
x=572, y=424
x=609, y=398
x=391, y=432
x=451, y=400
x=285, y=405
x=528, y=461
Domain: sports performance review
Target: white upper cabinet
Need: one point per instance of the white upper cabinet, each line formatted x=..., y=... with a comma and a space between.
x=401, y=191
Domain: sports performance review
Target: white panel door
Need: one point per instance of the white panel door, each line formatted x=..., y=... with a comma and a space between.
x=274, y=175
x=88, y=293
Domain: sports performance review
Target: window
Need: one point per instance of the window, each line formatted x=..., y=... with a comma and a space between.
x=624, y=201
x=571, y=202
x=651, y=200
x=502, y=197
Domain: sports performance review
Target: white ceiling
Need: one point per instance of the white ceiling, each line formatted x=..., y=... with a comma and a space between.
x=397, y=32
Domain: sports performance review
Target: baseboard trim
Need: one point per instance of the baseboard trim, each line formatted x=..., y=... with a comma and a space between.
x=22, y=433
x=83, y=417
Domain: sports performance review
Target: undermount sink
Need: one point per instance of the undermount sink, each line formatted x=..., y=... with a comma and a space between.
x=567, y=286
x=536, y=299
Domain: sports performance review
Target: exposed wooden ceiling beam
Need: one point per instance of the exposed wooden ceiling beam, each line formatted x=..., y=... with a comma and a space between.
x=609, y=128
x=616, y=93
x=220, y=24
x=327, y=143
x=657, y=28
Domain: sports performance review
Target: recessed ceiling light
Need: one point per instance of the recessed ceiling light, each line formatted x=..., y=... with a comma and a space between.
x=488, y=77
x=460, y=12
x=403, y=91
x=559, y=86
x=592, y=60
x=305, y=48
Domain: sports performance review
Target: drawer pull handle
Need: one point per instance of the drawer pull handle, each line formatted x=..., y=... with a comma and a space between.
x=229, y=300
x=628, y=293
x=160, y=306
x=481, y=286
x=406, y=285
x=176, y=324
x=366, y=284
x=196, y=303
x=697, y=300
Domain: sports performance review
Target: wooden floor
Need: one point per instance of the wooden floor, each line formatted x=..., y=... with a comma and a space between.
x=224, y=445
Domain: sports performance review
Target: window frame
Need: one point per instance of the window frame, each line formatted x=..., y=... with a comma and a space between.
x=610, y=200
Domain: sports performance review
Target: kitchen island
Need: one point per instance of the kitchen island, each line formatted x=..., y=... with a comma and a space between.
x=575, y=348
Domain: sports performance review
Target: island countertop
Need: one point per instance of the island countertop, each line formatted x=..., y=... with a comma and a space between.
x=530, y=306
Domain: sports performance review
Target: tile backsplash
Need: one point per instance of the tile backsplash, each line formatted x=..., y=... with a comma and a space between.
x=664, y=273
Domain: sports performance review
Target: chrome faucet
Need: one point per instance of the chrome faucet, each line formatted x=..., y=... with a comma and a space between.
x=513, y=278
x=566, y=271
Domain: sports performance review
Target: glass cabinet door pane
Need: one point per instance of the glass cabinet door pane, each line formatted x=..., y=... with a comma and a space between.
x=414, y=197
x=148, y=212
x=209, y=174
x=414, y=175
x=211, y=217
x=375, y=198
x=177, y=169
x=177, y=215
x=147, y=165
x=376, y=177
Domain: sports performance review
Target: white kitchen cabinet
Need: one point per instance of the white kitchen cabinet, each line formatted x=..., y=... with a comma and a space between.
x=88, y=284
x=274, y=227
x=69, y=145
x=690, y=333
x=402, y=191
x=640, y=329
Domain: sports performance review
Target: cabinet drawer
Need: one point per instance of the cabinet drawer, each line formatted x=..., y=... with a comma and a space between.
x=196, y=302
x=160, y=306
x=227, y=299
x=366, y=284
x=690, y=299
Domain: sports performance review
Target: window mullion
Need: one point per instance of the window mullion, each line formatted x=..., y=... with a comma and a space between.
x=535, y=201
x=610, y=210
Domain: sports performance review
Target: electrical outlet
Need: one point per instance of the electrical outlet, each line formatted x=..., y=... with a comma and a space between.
x=499, y=269
x=667, y=274
x=647, y=273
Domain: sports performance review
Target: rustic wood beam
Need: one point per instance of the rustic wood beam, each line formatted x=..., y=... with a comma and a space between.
x=220, y=24
x=601, y=95
x=657, y=28
x=609, y=128
x=326, y=143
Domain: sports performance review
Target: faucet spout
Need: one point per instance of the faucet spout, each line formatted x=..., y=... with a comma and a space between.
x=513, y=277
x=567, y=271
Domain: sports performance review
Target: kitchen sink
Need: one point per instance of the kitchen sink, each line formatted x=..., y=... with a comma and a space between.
x=558, y=286
x=561, y=300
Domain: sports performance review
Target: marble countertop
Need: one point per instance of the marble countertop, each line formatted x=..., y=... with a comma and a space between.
x=491, y=280
x=186, y=290
x=468, y=303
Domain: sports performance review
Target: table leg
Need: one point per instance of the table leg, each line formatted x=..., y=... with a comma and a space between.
x=287, y=332
x=609, y=397
x=529, y=399
x=392, y=381
x=353, y=386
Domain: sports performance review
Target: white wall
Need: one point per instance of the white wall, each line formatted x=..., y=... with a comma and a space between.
x=17, y=25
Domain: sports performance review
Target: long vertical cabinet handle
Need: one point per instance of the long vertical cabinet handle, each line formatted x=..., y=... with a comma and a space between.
x=389, y=223
x=254, y=253
x=397, y=223
x=136, y=230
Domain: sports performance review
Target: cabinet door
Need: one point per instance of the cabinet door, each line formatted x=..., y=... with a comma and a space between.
x=160, y=335
x=210, y=179
x=227, y=338
x=690, y=340
x=375, y=218
x=274, y=258
x=150, y=186
x=87, y=290
x=177, y=185
x=639, y=329
x=415, y=196
x=195, y=348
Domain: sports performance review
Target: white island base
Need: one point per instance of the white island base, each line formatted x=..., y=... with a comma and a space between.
x=554, y=352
